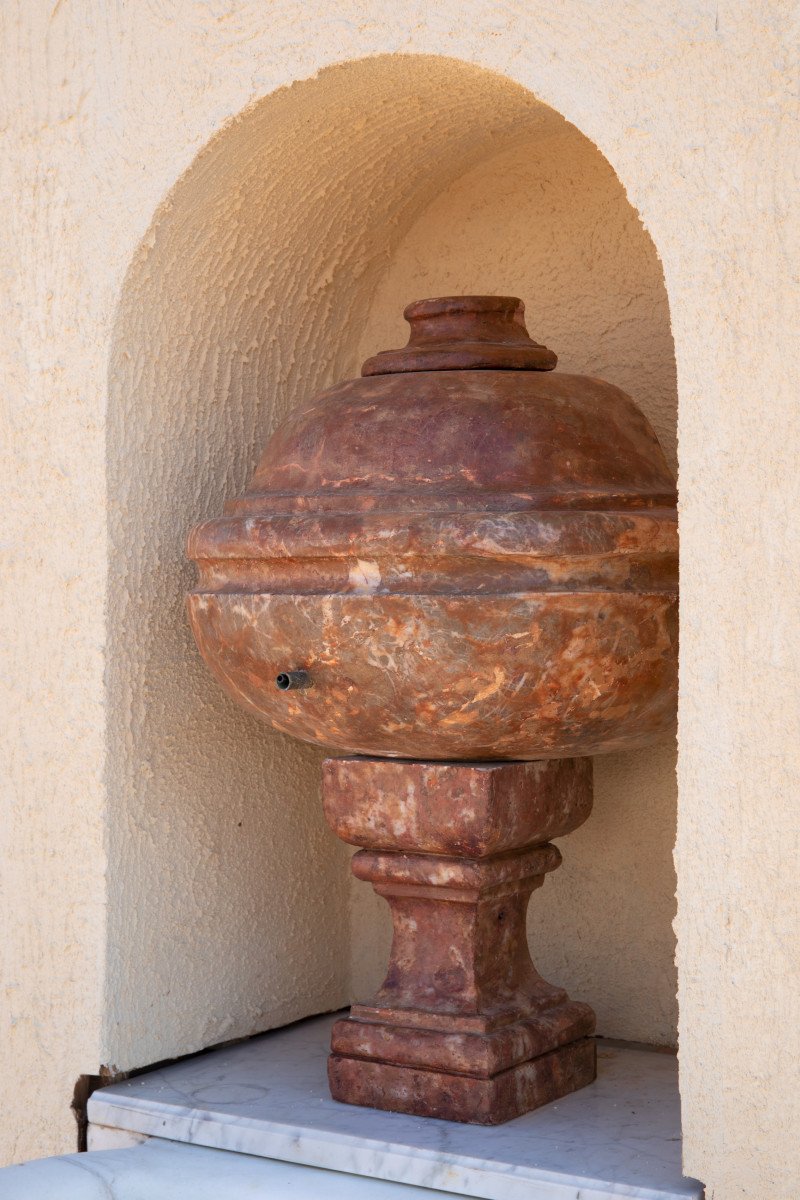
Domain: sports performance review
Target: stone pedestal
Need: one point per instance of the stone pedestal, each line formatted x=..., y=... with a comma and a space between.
x=463, y=1027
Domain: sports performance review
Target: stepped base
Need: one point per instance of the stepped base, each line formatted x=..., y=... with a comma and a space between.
x=466, y=1098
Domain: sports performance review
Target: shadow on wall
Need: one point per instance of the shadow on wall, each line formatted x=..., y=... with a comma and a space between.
x=547, y=219
x=282, y=257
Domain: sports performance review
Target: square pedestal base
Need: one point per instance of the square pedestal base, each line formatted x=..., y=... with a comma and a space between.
x=451, y=1097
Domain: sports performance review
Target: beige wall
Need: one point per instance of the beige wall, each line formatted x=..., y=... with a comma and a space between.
x=249, y=292
x=547, y=219
x=124, y=770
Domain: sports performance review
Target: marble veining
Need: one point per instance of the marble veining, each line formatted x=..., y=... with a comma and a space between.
x=163, y=1170
x=619, y=1138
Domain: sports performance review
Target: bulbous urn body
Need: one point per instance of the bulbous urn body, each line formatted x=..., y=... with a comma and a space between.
x=463, y=554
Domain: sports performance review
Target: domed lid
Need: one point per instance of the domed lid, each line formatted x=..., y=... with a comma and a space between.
x=468, y=416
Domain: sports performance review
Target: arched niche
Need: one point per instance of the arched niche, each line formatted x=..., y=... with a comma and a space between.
x=274, y=265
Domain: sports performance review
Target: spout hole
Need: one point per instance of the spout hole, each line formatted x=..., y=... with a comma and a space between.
x=287, y=680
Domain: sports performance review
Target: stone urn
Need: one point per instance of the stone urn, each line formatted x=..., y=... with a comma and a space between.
x=464, y=562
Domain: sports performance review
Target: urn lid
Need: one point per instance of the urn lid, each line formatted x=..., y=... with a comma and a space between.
x=465, y=333
x=469, y=415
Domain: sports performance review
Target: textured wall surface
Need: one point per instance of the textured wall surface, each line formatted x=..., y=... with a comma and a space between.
x=547, y=219
x=249, y=293
x=104, y=109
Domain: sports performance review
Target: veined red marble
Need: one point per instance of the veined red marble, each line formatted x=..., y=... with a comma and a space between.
x=463, y=1026
x=471, y=555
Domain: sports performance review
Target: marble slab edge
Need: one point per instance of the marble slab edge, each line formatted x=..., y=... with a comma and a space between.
x=376, y=1160
x=156, y=1169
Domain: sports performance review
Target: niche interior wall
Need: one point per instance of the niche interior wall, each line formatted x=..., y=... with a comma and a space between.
x=546, y=218
x=278, y=261
x=228, y=907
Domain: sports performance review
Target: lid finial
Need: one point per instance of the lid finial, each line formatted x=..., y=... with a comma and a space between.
x=465, y=333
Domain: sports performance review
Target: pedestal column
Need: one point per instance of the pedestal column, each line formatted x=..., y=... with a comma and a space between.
x=463, y=1027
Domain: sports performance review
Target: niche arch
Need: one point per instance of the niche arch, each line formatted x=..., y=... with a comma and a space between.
x=268, y=272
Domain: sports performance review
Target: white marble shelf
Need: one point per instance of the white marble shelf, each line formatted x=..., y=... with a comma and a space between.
x=161, y=1170
x=619, y=1138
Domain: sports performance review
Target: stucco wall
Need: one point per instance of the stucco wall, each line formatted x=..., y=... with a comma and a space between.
x=547, y=219
x=104, y=109
x=248, y=293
